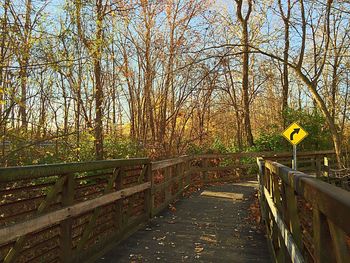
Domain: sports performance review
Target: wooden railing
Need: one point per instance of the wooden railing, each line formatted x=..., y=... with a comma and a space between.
x=307, y=220
x=69, y=212
x=226, y=167
x=74, y=212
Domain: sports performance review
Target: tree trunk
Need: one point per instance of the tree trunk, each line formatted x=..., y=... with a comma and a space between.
x=98, y=84
x=245, y=70
x=285, y=78
x=24, y=60
x=245, y=86
x=322, y=106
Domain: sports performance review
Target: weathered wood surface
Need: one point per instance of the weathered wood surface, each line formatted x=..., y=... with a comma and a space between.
x=10, y=233
x=202, y=229
x=38, y=171
x=304, y=216
x=65, y=212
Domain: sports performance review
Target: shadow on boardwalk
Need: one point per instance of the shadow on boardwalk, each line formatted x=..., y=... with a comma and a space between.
x=209, y=226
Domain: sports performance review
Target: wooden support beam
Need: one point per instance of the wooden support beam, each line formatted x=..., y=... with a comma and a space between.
x=118, y=208
x=92, y=220
x=289, y=242
x=66, y=225
x=322, y=239
x=12, y=232
x=293, y=216
x=50, y=197
x=340, y=248
x=148, y=192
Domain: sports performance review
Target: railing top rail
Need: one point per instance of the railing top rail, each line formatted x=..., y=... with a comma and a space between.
x=169, y=162
x=332, y=201
x=9, y=174
x=265, y=154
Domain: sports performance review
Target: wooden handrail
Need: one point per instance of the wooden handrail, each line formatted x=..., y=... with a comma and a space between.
x=12, y=232
x=9, y=174
x=265, y=154
x=288, y=191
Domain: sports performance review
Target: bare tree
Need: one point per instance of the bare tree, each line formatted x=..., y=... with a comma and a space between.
x=243, y=19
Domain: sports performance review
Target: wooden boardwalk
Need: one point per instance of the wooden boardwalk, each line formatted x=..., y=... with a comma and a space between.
x=212, y=225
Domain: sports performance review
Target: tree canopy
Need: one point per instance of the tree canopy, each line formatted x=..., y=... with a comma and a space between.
x=97, y=79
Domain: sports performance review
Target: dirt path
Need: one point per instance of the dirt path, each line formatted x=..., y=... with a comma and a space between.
x=210, y=226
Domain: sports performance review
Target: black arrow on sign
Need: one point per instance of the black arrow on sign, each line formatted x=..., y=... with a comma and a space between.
x=296, y=131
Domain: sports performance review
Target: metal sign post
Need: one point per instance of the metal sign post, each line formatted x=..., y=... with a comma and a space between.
x=294, y=162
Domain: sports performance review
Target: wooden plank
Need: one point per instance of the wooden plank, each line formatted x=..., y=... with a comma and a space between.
x=168, y=186
x=293, y=216
x=66, y=225
x=331, y=200
x=205, y=169
x=12, y=232
x=292, y=248
x=340, y=248
x=321, y=238
x=326, y=166
x=143, y=174
x=164, y=185
x=119, y=203
x=276, y=235
x=169, y=162
x=222, y=168
x=265, y=155
x=92, y=220
x=50, y=197
x=180, y=175
x=148, y=192
x=11, y=174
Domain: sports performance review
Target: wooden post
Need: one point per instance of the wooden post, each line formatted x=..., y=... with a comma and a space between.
x=148, y=192
x=119, y=204
x=66, y=225
x=50, y=197
x=261, y=181
x=318, y=166
x=167, y=188
x=322, y=238
x=188, y=172
x=205, y=173
x=153, y=193
x=340, y=248
x=179, y=175
x=326, y=166
x=237, y=163
x=292, y=210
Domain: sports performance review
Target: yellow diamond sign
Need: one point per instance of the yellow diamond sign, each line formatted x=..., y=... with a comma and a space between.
x=294, y=133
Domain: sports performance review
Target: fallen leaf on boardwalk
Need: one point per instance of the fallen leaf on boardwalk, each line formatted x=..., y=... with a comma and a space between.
x=198, y=249
x=209, y=238
x=172, y=208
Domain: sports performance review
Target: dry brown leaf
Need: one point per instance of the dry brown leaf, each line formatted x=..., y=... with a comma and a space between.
x=198, y=249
